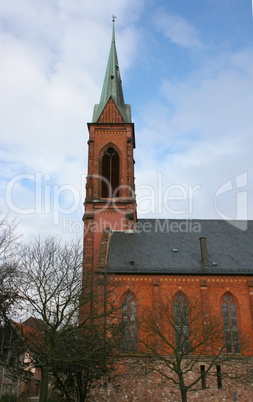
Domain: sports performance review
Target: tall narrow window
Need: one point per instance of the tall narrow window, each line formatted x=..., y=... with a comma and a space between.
x=129, y=324
x=110, y=173
x=219, y=378
x=230, y=325
x=203, y=376
x=181, y=324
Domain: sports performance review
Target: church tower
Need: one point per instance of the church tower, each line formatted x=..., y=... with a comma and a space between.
x=110, y=196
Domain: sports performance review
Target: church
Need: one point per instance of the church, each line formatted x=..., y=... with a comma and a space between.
x=149, y=259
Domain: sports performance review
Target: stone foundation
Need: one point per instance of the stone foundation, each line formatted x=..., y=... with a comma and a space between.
x=132, y=384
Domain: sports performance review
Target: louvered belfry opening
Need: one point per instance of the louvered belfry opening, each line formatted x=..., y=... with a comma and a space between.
x=110, y=173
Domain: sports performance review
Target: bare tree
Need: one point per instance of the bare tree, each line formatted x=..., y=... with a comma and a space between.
x=88, y=363
x=54, y=290
x=9, y=239
x=177, y=339
x=12, y=354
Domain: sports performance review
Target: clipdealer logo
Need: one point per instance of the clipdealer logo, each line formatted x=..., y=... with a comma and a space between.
x=45, y=197
x=239, y=187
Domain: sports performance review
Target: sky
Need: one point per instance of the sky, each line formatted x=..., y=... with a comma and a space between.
x=187, y=71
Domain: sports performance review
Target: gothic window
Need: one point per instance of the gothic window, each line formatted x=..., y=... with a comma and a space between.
x=110, y=173
x=181, y=324
x=230, y=325
x=129, y=323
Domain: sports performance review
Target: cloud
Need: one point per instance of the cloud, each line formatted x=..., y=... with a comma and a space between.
x=202, y=138
x=51, y=76
x=178, y=30
x=195, y=128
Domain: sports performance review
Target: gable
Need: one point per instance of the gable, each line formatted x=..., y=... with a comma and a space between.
x=110, y=113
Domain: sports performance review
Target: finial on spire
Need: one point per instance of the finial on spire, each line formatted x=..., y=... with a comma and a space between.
x=113, y=18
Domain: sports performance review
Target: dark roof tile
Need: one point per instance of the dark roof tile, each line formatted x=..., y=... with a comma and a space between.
x=150, y=249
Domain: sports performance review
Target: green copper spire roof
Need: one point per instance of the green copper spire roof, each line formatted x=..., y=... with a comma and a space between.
x=112, y=87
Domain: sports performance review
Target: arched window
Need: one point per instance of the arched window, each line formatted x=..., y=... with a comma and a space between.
x=181, y=324
x=230, y=325
x=129, y=323
x=110, y=173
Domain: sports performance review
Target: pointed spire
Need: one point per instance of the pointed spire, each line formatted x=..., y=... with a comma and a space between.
x=112, y=87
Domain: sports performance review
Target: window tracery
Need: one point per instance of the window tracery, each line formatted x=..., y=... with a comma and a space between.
x=129, y=323
x=230, y=324
x=110, y=173
x=181, y=323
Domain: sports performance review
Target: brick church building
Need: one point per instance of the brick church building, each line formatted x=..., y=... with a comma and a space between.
x=149, y=259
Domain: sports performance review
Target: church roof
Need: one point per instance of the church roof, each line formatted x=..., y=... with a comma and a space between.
x=173, y=247
x=112, y=87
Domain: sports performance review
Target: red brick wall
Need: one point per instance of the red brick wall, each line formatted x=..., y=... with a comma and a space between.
x=209, y=290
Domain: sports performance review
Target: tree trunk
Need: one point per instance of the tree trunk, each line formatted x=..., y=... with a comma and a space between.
x=62, y=387
x=44, y=384
x=183, y=394
x=82, y=388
